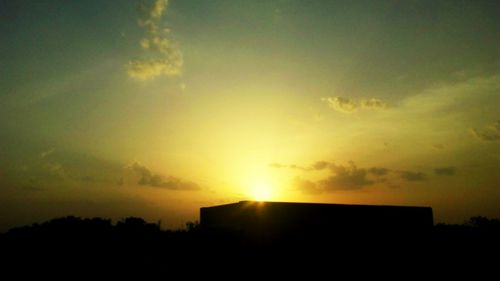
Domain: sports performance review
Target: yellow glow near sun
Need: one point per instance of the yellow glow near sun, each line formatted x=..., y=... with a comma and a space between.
x=261, y=192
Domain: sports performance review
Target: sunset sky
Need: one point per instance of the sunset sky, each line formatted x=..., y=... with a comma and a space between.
x=156, y=108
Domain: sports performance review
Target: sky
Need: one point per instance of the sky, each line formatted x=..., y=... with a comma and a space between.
x=157, y=108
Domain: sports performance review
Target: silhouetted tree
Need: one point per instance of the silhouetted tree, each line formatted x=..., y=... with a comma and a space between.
x=193, y=226
x=483, y=223
x=132, y=244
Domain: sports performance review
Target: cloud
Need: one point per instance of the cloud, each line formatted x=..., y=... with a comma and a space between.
x=491, y=133
x=342, y=177
x=351, y=177
x=373, y=103
x=149, y=69
x=148, y=178
x=438, y=146
x=56, y=169
x=379, y=171
x=445, y=171
x=297, y=167
x=307, y=186
x=46, y=153
x=412, y=176
x=163, y=55
x=320, y=165
x=158, y=8
x=347, y=105
x=448, y=98
x=291, y=166
x=346, y=178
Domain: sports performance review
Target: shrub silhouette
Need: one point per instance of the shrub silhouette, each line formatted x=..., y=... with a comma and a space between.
x=134, y=246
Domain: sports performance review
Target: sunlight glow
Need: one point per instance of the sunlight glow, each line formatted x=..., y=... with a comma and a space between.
x=261, y=192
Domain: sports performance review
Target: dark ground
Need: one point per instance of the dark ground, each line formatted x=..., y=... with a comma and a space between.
x=72, y=247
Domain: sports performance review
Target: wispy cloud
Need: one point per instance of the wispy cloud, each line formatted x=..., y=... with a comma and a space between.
x=445, y=171
x=491, y=133
x=291, y=166
x=352, y=177
x=56, y=169
x=378, y=171
x=320, y=165
x=347, y=177
x=373, y=103
x=307, y=186
x=342, y=177
x=46, y=153
x=341, y=104
x=412, y=176
x=456, y=98
x=162, y=53
x=158, y=8
x=348, y=105
x=148, y=178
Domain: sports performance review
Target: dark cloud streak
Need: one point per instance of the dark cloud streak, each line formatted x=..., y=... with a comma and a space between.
x=379, y=171
x=412, y=176
x=148, y=178
x=491, y=133
x=445, y=171
x=350, y=177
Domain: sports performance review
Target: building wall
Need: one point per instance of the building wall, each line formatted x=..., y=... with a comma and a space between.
x=277, y=220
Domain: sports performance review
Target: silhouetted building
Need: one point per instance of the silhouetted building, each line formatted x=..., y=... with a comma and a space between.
x=273, y=221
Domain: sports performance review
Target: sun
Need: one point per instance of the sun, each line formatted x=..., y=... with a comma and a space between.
x=261, y=192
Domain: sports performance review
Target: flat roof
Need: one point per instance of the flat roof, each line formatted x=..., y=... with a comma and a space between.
x=249, y=202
